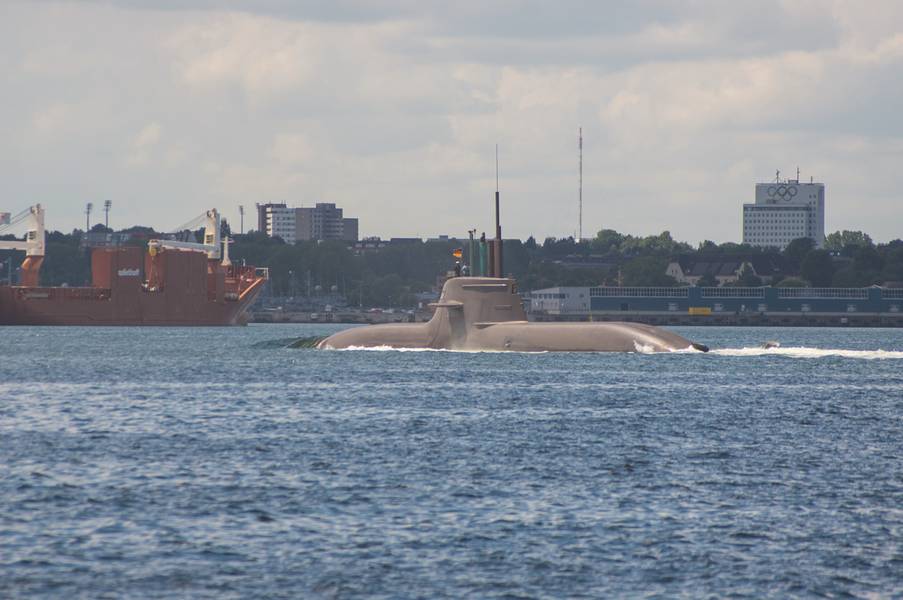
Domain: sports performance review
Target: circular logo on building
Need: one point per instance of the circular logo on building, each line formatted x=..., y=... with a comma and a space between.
x=782, y=191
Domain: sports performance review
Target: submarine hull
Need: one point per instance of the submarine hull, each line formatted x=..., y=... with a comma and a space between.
x=578, y=337
x=482, y=313
x=403, y=335
x=521, y=337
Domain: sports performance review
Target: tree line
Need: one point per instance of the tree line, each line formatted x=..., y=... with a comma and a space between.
x=392, y=275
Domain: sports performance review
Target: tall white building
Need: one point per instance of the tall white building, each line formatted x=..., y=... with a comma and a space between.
x=281, y=222
x=784, y=211
x=322, y=222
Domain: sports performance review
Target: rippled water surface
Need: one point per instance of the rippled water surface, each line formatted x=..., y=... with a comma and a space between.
x=161, y=463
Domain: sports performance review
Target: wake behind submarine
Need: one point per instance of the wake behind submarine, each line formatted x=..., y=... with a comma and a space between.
x=486, y=313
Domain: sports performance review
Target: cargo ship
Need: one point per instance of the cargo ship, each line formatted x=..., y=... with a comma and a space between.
x=169, y=283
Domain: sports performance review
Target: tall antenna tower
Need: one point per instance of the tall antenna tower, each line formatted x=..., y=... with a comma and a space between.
x=88, y=208
x=106, y=209
x=241, y=212
x=496, y=168
x=580, y=187
x=498, y=266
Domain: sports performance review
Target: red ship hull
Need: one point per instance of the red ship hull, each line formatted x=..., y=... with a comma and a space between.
x=130, y=287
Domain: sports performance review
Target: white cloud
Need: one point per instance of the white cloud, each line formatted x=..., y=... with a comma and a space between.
x=261, y=56
x=143, y=145
x=393, y=109
x=148, y=136
x=291, y=149
x=50, y=120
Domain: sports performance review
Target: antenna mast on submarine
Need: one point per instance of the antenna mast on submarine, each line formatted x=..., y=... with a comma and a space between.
x=498, y=264
x=580, y=187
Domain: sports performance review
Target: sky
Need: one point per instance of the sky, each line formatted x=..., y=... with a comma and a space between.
x=392, y=109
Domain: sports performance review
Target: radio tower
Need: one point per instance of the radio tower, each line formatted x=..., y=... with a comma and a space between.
x=580, y=188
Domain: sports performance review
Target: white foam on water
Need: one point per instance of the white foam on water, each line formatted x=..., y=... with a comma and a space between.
x=791, y=352
x=643, y=348
x=382, y=349
x=687, y=350
x=805, y=352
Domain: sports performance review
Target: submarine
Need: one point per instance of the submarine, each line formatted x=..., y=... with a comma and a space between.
x=485, y=313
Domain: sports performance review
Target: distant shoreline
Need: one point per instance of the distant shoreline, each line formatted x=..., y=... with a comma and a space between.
x=742, y=319
x=869, y=320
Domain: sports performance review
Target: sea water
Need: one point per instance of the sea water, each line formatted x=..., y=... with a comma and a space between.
x=179, y=462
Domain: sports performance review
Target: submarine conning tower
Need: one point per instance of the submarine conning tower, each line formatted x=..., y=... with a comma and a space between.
x=481, y=300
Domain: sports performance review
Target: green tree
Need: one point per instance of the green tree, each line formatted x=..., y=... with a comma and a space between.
x=867, y=258
x=607, y=240
x=64, y=262
x=817, y=268
x=388, y=290
x=659, y=245
x=795, y=282
x=748, y=277
x=647, y=271
x=893, y=264
x=561, y=247
x=839, y=240
x=850, y=276
x=707, y=280
x=797, y=250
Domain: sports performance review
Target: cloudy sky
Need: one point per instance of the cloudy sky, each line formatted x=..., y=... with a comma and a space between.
x=392, y=109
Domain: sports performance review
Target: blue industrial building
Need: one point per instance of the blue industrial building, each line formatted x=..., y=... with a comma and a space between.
x=608, y=302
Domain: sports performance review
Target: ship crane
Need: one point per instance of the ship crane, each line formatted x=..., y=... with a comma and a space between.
x=212, y=242
x=33, y=245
